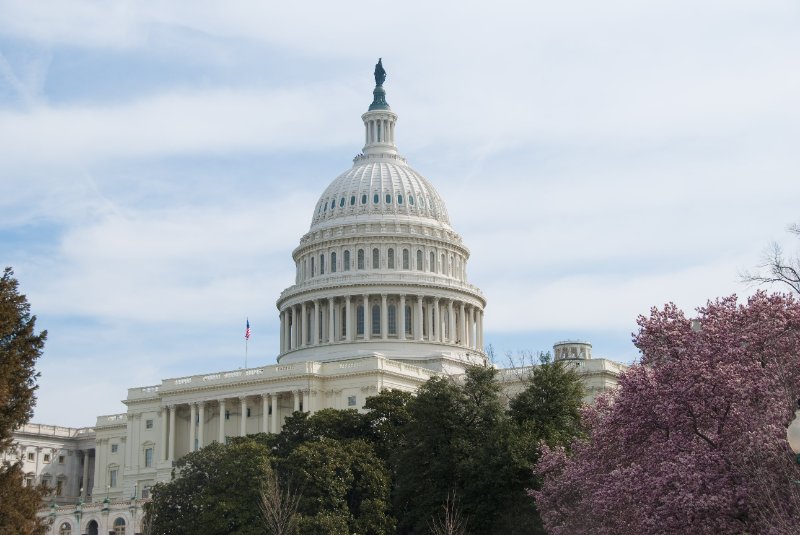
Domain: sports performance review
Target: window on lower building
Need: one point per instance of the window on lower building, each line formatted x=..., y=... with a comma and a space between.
x=60, y=459
x=47, y=457
x=351, y=401
x=65, y=529
x=148, y=457
x=146, y=492
x=114, y=448
x=148, y=424
x=227, y=414
x=408, y=320
x=360, y=320
x=59, y=487
x=112, y=479
x=248, y=412
x=31, y=456
x=119, y=526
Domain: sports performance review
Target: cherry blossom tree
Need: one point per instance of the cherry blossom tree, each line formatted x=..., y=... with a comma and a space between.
x=694, y=439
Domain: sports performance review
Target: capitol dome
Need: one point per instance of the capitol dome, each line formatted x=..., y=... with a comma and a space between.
x=381, y=271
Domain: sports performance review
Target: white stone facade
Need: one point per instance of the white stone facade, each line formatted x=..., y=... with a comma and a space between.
x=381, y=300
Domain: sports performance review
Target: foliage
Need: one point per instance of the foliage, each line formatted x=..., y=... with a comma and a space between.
x=20, y=347
x=344, y=486
x=695, y=438
x=387, y=414
x=215, y=490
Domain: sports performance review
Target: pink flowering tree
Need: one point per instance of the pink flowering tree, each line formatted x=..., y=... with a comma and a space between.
x=694, y=440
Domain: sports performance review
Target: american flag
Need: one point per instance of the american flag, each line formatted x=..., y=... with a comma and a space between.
x=247, y=330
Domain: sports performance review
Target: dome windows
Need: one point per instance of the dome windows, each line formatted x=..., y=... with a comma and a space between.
x=364, y=199
x=376, y=199
x=346, y=262
x=399, y=199
x=333, y=262
x=411, y=200
x=352, y=200
x=341, y=202
x=405, y=259
x=361, y=259
x=333, y=204
x=390, y=258
x=376, y=258
x=388, y=198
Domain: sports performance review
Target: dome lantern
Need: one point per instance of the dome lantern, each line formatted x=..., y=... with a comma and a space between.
x=379, y=120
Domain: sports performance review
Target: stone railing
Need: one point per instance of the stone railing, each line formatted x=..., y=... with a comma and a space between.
x=112, y=420
x=55, y=430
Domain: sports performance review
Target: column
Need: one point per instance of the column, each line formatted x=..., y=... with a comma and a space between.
x=402, y=333
x=331, y=320
x=201, y=415
x=303, y=326
x=479, y=335
x=430, y=322
x=85, y=480
x=451, y=320
x=274, y=403
x=385, y=318
x=243, y=419
x=192, y=428
x=418, y=319
x=164, y=449
x=283, y=333
x=265, y=413
x=438, y=320
x=172, y=409
x=462, y=322
x=367, y=318
x=315, y=324
x=296, y=399
x=348, y=324
x=222, y=421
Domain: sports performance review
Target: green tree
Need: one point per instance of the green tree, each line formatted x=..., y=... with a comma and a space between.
x=344, y=486
x=302, y=427
x=387, y=414
x=214, y=491
x=20, y=347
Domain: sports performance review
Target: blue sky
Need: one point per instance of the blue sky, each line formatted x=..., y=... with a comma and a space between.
x=159, y=161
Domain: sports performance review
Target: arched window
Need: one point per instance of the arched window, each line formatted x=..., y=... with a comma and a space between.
x=388, y=198
x=65, y=529
x=419, y=259
x=450, y=266
x=333, y=262
x=405, y=259
x=361, y=259
x=360, y=319
x=364, y=199
x=376, y=319
x=322, y=264
x=443, y=266
x=92, y=528
x=392, y=317
x=376, y=258
x=408, y=319
x=312, y=266
x=346, y=261
x=352, y=200
x=119, y=526
x=399, y=199
x=390, y=258
x=376, y=199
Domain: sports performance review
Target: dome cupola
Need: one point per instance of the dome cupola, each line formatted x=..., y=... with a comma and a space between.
x=381, y=271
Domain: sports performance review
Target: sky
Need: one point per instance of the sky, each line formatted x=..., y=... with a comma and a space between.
x=159, y=161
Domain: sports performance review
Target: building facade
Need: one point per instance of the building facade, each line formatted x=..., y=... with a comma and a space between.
x=381, y=300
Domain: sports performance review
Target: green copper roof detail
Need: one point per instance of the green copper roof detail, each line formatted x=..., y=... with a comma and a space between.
x=379, y=93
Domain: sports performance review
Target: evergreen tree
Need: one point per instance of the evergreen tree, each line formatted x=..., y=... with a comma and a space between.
x=20, y=346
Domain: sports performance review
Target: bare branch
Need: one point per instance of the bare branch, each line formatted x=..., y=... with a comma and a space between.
x=451, y=521
x=278, y=507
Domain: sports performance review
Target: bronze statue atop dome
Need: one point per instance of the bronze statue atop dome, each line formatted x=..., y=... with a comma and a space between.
x=380, y=73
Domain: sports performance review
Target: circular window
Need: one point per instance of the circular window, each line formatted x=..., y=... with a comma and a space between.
x=352, y=200
x=399, y=199
x=341, y=202
x=376, y=199
x=388, y=199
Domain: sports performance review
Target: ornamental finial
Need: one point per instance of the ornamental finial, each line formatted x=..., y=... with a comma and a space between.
x=380, y=73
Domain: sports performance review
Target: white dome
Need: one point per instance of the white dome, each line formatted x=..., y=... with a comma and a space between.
x=379, y=186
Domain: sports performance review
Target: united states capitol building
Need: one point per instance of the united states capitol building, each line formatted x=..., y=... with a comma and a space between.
x=380, y=300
